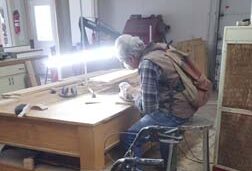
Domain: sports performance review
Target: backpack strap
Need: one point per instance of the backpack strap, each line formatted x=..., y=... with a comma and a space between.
x=187, y=65
x=182, y=59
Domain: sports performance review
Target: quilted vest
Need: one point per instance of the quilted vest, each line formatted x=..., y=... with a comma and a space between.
x=171, y=99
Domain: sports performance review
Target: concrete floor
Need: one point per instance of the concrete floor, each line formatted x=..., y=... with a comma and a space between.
x=194, y=143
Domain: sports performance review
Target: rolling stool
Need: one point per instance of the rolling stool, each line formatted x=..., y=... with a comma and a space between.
x=167, y=135
x=198, y=123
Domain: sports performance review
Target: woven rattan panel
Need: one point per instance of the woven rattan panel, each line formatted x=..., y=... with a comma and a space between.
x=238, y=77
x=235, y=145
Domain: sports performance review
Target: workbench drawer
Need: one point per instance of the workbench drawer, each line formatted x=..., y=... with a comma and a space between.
x=12, y=70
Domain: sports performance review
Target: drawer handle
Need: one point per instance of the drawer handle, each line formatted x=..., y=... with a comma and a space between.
x=9, y=81
x=12, y=81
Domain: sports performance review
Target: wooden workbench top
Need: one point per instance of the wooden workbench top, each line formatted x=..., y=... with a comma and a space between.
x=82, y=109
x=76, y=110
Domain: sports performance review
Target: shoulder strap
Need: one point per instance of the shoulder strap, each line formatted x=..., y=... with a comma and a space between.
x=190, y=89
x=184, y=63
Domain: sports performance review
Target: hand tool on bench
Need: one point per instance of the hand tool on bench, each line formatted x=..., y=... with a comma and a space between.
x=68, y=91
x=124, y=103
x=22, y=109
x=92, y=92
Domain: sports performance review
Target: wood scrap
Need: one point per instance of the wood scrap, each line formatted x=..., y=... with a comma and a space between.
x=114, y=77
x=197, y=50
x=93, y=102
x=44, y=87
x=28, y=163
x=31, y=74
x=13, y=61
x=1, y=147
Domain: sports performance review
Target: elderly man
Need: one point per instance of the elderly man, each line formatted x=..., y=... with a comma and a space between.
x=160, y=98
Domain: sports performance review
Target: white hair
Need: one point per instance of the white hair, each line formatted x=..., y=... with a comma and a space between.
x=128, y=46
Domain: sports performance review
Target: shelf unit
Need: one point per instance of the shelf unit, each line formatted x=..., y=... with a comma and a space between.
x=234, y=112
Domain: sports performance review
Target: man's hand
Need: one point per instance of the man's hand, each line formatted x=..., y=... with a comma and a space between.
x=127, y=92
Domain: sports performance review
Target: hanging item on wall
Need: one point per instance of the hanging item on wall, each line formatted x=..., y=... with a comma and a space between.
x=149, y=29
x=16, y=21
x=4, y=28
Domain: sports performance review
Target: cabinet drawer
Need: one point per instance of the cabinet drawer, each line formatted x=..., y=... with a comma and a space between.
x=12, y=83
x=12, y=70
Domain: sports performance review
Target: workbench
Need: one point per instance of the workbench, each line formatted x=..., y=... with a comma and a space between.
x=82, y=126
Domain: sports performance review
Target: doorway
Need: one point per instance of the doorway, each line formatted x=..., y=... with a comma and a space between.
x=44, y=25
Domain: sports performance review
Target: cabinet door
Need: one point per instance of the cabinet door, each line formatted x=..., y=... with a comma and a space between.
x=18, y=82
x=5, y=84
x=12, y=83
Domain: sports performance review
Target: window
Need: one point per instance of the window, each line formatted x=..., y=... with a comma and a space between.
x=43, y=22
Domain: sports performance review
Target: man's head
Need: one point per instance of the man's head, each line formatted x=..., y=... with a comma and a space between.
x=130, y=50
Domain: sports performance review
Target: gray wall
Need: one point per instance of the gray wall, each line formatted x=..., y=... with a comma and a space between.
x=188, y=18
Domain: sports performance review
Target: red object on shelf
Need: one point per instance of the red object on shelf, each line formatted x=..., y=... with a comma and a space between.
x=140, y=26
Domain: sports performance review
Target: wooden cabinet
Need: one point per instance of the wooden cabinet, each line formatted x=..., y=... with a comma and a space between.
x=12, y=78
x=234, y=119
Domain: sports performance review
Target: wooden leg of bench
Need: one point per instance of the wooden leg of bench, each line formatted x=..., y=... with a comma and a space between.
x=91, y=149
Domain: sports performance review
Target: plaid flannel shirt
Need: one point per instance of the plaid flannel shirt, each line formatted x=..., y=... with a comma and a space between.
x=150, y=73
